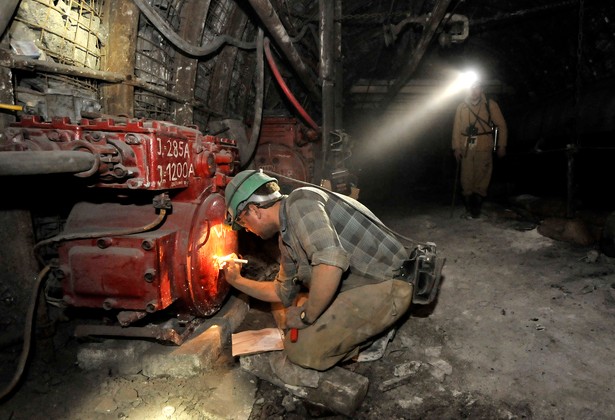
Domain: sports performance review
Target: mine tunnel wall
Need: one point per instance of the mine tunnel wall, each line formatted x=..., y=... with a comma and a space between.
x=556, y=136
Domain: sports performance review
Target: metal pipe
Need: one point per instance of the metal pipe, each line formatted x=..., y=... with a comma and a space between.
x=42, y=163
x=338, y=123
x=326, y=9
x=274, y=25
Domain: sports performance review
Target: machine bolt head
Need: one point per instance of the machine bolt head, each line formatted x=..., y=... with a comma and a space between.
x=103, y=243
x=150, y=275
x=109, y=304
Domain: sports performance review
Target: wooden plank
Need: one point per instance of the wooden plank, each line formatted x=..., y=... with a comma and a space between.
x=257, y=341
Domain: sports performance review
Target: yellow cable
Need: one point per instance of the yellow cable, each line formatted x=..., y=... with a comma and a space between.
x=11, y=107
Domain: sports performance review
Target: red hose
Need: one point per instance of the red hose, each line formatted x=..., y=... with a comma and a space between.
x=285, y=88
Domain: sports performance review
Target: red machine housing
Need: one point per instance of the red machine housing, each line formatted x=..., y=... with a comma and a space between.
x=126, y=253
x=287, y=147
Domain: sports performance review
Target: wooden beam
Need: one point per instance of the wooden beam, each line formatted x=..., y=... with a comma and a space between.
x=120, y=55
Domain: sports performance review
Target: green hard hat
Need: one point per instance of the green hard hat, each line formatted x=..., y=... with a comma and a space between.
x=241, y=187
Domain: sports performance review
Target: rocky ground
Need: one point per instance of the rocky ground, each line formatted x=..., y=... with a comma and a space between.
x=522, y=329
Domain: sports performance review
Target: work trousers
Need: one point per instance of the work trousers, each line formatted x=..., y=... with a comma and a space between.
x=476, y=169
x=354, y=317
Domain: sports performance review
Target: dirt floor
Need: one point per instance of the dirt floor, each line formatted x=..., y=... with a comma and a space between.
x=522, y=329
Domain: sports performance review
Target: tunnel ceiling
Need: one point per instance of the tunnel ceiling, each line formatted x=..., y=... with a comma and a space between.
x=527, y=48
x=392, y=51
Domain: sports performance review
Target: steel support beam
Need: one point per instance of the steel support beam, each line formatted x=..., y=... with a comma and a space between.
x=327, y=75
x=339, y=68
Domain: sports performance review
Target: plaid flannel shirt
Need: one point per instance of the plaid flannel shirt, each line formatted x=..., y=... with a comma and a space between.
x=321, y=228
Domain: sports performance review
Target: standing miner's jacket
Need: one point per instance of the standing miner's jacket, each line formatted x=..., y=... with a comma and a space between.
x=478, y=116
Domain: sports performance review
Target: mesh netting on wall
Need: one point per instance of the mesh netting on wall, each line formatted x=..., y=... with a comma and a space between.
x=155, y=61
x=67, y=32
x=216, y=16
x=239, y=91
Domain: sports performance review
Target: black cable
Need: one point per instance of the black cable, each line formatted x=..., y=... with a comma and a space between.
x=196, y=51
x=246, y=154
x=27, y=338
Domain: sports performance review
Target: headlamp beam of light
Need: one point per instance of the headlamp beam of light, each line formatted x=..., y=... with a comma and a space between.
x=463, y=81
x=399, y=126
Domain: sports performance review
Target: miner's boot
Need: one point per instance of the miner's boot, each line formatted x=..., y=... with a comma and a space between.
x=468, y=205
x=476, y=203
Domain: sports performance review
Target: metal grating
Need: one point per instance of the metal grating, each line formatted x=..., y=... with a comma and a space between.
x=241, y=81
x=69, y=31
x=155, y=62
x=219, y=11
x=203, y=79
x=217, y=17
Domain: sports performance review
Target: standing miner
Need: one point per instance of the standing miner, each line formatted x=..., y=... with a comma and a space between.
x=478, y=131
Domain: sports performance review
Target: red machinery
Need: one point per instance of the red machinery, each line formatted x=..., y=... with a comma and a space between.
x=126, y=253
x=289, y=148
x=286, y=147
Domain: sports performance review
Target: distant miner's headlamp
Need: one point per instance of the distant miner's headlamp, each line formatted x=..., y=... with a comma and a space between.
x=469, y=79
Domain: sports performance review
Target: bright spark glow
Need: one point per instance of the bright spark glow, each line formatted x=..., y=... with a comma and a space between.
x=221, y=261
